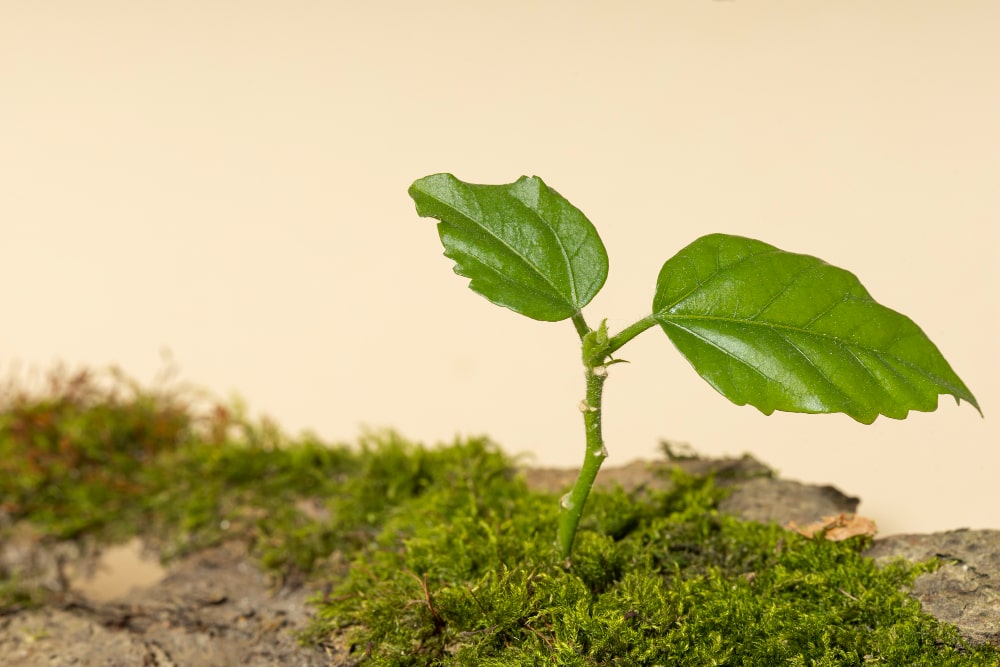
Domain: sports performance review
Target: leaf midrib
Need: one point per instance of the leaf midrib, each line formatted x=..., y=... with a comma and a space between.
x=522, y=258
x=520, y=285
x=850, y=346
x=780, y=327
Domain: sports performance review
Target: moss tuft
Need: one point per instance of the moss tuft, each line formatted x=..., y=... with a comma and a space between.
x=467, y=575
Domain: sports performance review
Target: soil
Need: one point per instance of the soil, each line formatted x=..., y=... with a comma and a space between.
x=216, y=608
x=212, y=608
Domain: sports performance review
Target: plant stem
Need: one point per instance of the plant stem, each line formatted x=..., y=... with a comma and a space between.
x=581, y=324
x=630, y=332
x=573, y=502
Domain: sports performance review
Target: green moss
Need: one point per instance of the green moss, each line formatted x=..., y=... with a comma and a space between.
x=443, y=556
x=72, y=459
x=466, y=574
x=97, y=457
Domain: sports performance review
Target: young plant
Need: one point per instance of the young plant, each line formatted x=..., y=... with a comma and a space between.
x=773, y=329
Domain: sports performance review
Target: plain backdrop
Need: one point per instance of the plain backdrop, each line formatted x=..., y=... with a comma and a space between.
x=227, y=181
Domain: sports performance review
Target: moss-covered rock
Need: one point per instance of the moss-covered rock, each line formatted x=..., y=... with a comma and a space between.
x=428, y=556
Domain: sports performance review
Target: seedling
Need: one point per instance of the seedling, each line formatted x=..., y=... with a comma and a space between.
x=765, y=327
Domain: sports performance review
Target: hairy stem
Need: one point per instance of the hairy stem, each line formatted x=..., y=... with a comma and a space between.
x=573, y=502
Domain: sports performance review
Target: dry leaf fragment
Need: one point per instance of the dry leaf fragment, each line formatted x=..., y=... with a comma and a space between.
x=839, y=527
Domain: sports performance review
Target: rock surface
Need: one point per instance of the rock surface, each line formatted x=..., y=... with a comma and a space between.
x=213, y=608
x=216, y=608
x=965, y=590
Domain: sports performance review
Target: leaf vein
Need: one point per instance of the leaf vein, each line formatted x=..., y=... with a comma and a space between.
x=784, y=289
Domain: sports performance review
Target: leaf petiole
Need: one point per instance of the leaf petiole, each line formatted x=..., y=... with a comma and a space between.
x=628, y=333
x=581, y=325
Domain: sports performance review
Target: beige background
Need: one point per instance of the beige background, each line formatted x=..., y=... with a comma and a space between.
x=228, y=180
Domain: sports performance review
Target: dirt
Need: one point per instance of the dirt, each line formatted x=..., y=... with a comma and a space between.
x=212, y=608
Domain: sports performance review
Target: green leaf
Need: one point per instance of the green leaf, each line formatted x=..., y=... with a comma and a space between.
x=522, y=245
x=783, y=331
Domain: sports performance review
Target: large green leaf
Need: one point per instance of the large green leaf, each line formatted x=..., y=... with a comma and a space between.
x=783, y=331
x=522, y=244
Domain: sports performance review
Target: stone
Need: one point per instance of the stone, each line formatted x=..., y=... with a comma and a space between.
x=965, y=589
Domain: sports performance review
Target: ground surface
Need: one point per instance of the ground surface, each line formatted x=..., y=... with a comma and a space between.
x=213, y=608
x=216, y=608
